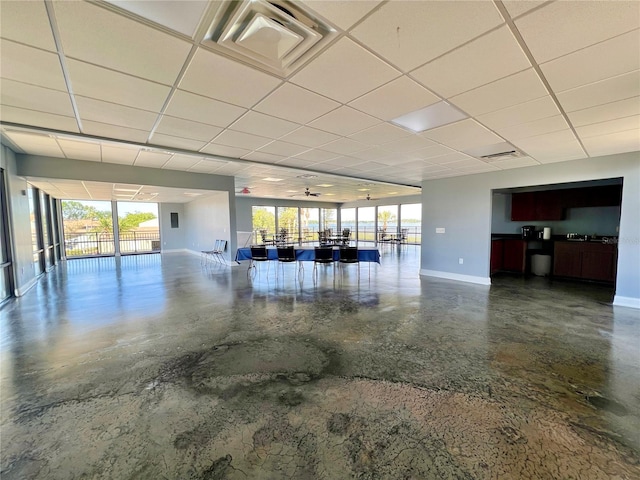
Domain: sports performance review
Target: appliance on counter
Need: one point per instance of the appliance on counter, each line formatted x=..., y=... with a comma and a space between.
x=577, y=237
x=528, y=232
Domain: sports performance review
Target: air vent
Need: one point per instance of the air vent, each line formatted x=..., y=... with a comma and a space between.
x=277, y=36
x=495, y=152
x=501, y=156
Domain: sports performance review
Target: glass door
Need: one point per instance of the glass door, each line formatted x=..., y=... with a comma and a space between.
x=388, y=223
x=288, y=231
x=366, y=224
x=309, y=224
x=6, y=274
x=411, y=223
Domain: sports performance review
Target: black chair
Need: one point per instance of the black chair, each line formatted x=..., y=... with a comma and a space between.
x=346, y=236
x=322, y=256
x=286, y=255
x=349, y=255
x=258, y=254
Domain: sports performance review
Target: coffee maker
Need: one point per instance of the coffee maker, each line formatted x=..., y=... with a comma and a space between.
x=528, y=232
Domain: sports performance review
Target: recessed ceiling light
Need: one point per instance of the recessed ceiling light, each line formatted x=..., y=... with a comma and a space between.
x=271, y=179
x=192, y=194
x=433, y=116
x=324, y=185
x=330, y=194
x=364, y=189
x=307, y=175
x=292, y=191
x=392, y=193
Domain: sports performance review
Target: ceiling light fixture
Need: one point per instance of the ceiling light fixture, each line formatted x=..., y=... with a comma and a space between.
x=271, y=179
x=436, y=115
x=325, y=185
x=307, y=175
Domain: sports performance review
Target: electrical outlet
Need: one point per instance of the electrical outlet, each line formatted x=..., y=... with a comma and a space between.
x=461, y=261
x=440, y=230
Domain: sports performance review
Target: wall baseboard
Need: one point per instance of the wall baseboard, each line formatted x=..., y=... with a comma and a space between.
x=630, y=302
x=178, y=250
x=456, y=276
x=20, y=291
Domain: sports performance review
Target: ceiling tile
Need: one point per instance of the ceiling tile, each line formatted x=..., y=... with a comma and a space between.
x=537, y=127
x=598, y=93
x=559, y=28
x=204, y=167
x=515, y=163
x=448, y=158
x=344, y=71
x=38, y=119
x=375, y=153
x=201, y=109
x=408, y=144
x=552, y=147
x=177, y=142
x=518, y=7
x=620, y=142
x=608, y=111
x=21, y=95
x=409, y=34
x=27, y=139
x=114, y=131
x=27, y=22
x=486, y=59
x=260, y=124
x=263, y=157
x=309, y=137
x=81, y=150
x=182, y=17
x=316, y=155
x=344, y=121
x=224, y=151
x=506, y=92
x=344, y=146
x=380, y=134
x=104, y=112
x=112, y=154
x=295, y=104
x=102, y=84
x=598, y=62
x=94, y=34
x=46, y=151
x=152, y=159
x=342, y=14
x=522, y=113
x=283, y=148
x=394, y=99
x=31, y=65
x=463, y=135
x=240, y=84
x=188, y=129
x=241, y=140
x=612, y=126
x=296, y=162
x=181, y=162
x=431, y=152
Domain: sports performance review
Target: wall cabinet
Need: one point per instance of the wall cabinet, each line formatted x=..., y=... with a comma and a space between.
x=588, y=261
x=551, y=204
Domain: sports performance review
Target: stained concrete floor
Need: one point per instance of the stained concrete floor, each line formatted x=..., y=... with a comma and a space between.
x=153, y=367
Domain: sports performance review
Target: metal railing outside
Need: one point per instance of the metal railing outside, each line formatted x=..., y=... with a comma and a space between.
x=97, y=243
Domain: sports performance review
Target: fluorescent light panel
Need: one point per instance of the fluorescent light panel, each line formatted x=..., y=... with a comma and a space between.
x=433, y=116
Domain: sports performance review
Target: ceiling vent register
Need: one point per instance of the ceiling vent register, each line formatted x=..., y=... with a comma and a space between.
x=278, y=36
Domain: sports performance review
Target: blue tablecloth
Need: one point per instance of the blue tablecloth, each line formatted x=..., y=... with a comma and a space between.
x=309, y=255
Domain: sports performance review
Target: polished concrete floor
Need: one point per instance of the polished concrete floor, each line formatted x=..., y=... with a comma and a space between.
x=154, y=367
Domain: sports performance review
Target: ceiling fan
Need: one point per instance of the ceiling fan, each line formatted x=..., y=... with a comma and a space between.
x=308, y=193
x=244, y=191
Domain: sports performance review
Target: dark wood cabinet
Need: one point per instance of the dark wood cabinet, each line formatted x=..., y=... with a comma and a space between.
x=508, y=255
x=551, y=204
x=588, y=261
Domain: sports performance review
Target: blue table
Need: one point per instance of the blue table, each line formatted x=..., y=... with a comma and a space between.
x=309, y=254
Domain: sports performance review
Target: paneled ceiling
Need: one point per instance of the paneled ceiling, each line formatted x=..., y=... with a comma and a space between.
x=171, y=85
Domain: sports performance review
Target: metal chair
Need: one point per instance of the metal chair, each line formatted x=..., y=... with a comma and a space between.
x=218, y=251
x=323, y=256
x=208, y=255
x=347, y=256
x=286, y=255
x=346, y=236
x=258, y=254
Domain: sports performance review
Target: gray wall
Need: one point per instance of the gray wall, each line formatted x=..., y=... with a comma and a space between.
x=19, y=223
x=602, y=221
x=208, y=220
x=462, y=205
x=172, y=238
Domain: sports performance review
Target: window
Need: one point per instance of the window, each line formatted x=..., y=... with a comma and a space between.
x=264, y=223
x=366, y=224
x=387, y=222
x=6, y=277
x=309, y=224
x=348, y=220
x=411, y=222
x=87, y=228
x=329, y=219
x=138, y=227
x=36, y=230
x=288, y=220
